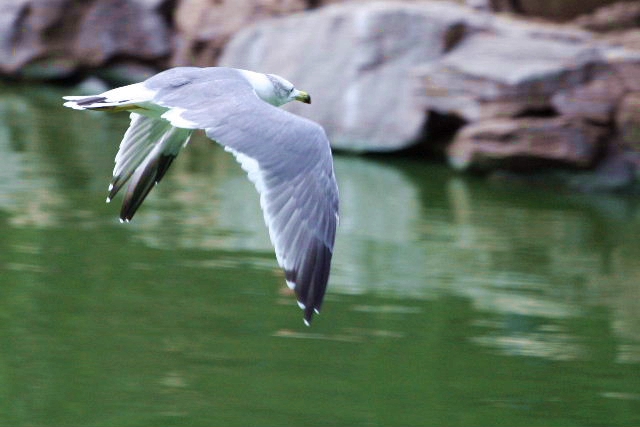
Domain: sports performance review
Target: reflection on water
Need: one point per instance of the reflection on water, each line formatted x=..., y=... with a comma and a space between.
x=452, y=300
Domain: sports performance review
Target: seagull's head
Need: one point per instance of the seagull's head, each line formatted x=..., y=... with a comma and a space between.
x=274, y=89
x=285, y=91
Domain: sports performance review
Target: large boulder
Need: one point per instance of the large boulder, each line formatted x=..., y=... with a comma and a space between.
x=505, y=73
x=356, y=60
x=519, y=82
x=45, y=39
x=203, y=27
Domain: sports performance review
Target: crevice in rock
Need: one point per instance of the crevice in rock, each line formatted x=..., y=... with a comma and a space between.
x=166, y=10
x=437, y=133
x=516, y=6
x=453, y=36
x=540, y=112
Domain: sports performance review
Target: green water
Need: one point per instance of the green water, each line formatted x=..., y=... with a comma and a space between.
x=453, y=301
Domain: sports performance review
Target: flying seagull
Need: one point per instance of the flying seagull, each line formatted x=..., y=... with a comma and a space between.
x=287, y=157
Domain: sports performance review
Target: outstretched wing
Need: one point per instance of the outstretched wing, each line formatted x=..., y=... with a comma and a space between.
x=149, y=145
x=146, y=152
x=288, y=158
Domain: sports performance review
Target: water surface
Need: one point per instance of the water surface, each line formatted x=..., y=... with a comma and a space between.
x=452, y=301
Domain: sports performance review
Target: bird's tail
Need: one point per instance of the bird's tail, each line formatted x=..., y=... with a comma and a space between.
x=98, y=103
x=118, y=99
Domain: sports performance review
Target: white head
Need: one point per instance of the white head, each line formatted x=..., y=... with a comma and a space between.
x=274, y=89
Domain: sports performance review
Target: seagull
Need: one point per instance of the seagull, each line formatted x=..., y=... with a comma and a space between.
x=287, y=157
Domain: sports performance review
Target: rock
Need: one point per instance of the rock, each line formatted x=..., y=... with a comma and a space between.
x=595, y=101
x=356, y=59
x=110, y=28
x=629, y=39
x=522, y=144
x=484, y=5
x=560, y=10
x=488, y=75
x=625, y=64
x=618, y=23
x=567, y=85
x=204, y=26
x=19, y=33
x=615, y=17
x=628, y=121
x=502, y=5
x=51, y=38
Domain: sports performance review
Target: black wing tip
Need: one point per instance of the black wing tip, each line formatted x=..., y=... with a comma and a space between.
x=308, y=315
x=116, y=184
x=133, y=200
x=141, y=185
x=128, y=210
x=310, y=281
x=292, y=283
x=90, y=100
x=97, y=103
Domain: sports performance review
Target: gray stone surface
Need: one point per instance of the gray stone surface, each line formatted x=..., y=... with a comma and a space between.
x=203, y=27
x=48, y=39
x=497, y=75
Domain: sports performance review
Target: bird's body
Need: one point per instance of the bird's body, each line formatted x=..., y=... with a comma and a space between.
x=287, y=157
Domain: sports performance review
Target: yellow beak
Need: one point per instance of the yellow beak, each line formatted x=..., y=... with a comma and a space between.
x=303, y=97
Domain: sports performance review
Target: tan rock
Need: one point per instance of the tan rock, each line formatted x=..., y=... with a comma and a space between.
x=595, y=101
x=614, y=17
x=525, y=143
x=503, y=74
x=628, y=121
x=203, y=27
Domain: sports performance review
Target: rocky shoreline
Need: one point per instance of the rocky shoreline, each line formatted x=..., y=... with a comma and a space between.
x=524, y=95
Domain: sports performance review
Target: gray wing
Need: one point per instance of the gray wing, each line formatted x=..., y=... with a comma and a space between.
x=150, y=143
x=146, y=152
x=287, y=157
